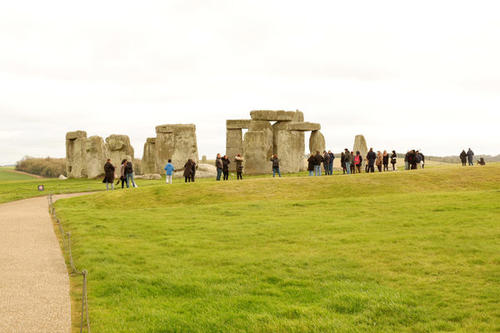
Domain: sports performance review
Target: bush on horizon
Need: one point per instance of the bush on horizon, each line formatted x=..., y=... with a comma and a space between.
x=45, y=167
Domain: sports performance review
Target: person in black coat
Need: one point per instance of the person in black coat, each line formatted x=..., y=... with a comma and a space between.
x=193, y=170
x=109, y=174
x=188, y=171
x=463, y=158
x=332, y=157
x=394, y=158
x=326, y=162
x=225, y=167
x=342, y=162
x=371, y=157
x=310, y=164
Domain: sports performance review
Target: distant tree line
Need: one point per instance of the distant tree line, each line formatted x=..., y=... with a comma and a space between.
x=45, y=167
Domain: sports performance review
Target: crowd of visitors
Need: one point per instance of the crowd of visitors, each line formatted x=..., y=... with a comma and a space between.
x=467, y=157
x=413, y=159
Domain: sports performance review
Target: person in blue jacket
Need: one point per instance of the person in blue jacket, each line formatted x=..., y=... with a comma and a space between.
x=169, y=170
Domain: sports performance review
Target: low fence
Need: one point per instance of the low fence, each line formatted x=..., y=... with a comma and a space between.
x=66, y=240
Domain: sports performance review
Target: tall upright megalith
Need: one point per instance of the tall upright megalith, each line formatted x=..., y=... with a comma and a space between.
x=360, y=145
x=119, y=147
x=317, y=142
x=176, y=142
x=96, y=156
x=76, y=154
x=149, y=162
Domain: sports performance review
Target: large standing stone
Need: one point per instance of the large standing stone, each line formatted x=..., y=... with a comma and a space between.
x=176, y=142
x=256, y=152
x=290, y=150
x=316, y=142
x=119, y=148
x=264, y=126
x=149, y=163
x=360, y=145
x=96, y=156
x=76, y=154
x=234, y=145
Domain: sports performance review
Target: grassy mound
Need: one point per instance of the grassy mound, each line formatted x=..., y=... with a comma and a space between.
x=408, y=251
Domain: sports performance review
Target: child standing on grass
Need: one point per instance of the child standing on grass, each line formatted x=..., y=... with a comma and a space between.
x=169, y=170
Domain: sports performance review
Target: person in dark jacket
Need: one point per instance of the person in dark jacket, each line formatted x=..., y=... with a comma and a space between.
x=353, y=167
x=385, y=160
x=109, y=174
x=342, y=162
x=188, y=171
x=129, y=172
x=332, y=157
x=421, y=159
x=463, y=158
x=276, y=165
x=225, y=167
x=358, y=160
x=318, y=159
x=394, y=160
x=470, y=156
x=347, y=160
x=412, y=159
x=326, y=162
x=407, y=162
x=219, y=166
x=239, y=166
x=371, y=157
x=310, y=164
x=122, y=173
x=193, y=170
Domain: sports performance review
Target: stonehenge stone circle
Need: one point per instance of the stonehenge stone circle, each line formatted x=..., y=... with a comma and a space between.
x=96, y=156
x=284, y=137
x=119, y=148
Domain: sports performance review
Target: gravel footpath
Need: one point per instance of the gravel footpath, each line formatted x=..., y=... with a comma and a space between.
x=34, y=282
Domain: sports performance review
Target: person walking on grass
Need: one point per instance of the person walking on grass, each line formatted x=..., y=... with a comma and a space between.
x=318, y=159
x=109, y=175
x=347, y=161
x=225, y=167
x=219, y=166
x=385, y=160
x=332, y=157
x=310, y=164
x=463, y=157
x=470, y=156
x=276, y=165
x=358, y=160
x=129, y=171
x=239, y=166
x=394, y=158
x=169, y=171
x=371, y=157
x=188, y=171
x=379, y=161
x=326, y=162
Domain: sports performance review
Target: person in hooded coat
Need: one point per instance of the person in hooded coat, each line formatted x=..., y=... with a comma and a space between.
x=109, y=174
x=188, y=171
x=470, y=156
x=310, y=164
x=371, y=157
x=463, y=158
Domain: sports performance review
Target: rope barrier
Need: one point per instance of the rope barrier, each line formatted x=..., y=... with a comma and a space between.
x=66, y=240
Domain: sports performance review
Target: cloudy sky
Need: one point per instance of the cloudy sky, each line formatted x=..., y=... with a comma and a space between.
x=423, y=74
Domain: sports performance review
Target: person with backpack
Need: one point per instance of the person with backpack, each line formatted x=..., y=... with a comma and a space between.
x=219, y=165
x=239, y=167
x=385, y=160
x=276, y=165
x=371, y=157
x=169, y=171
x=109, y=175
x=394, y=160
x=358, y=160
x=129, y=172
x=225, y=167
x=188, y=171
x=326, y=162
x=332, y=157
x=470, y=156
x=347, y=161
x=463, y=157
x=310, y=164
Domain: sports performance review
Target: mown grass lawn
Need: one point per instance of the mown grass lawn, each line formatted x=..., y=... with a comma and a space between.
x=8, y=173
x=410, y=251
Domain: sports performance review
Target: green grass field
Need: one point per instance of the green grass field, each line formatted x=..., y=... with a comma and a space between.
x=409, y=251
x=8, y=174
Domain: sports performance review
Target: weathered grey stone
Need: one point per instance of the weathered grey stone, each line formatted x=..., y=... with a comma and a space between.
x=360, y=145
x=76, y=154
x=96, y=152
x=290, y=150
x=151, y=176
x=269, y=115
x=149, y=163
x=119, y=148
x=234, y=145
x=303, y=126
x=176, y=142
x=202, y=171
x=256, y=152
x=62, y=177
x=238, y=124
x=264, y=126
x=316, y=142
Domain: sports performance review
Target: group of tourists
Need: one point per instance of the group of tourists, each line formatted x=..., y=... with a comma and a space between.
x=413, y=159
x=315, y=160
x=467, y=157
x=222, y=166
x=126, y=174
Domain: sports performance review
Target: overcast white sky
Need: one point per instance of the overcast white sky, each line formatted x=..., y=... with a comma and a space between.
x=406, y=74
